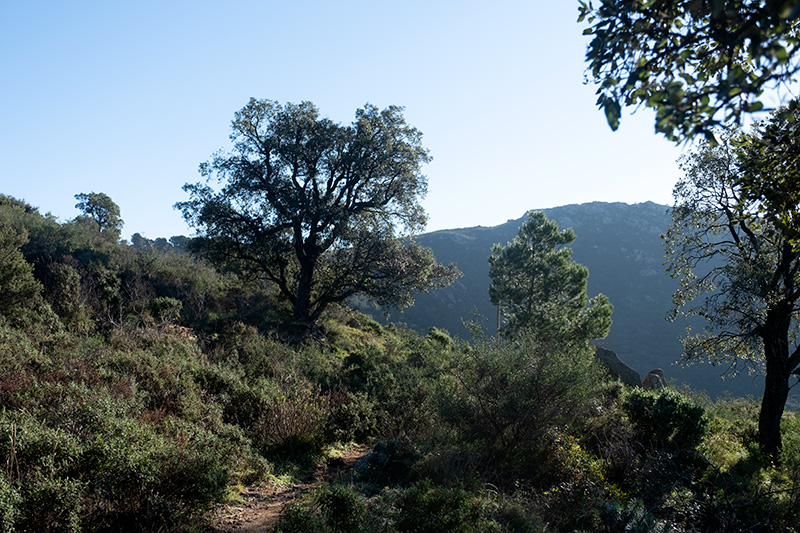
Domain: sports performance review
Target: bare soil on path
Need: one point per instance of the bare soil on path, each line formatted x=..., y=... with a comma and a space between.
x=263, y=505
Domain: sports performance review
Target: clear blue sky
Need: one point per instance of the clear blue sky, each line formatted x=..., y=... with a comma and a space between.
x=127, y=98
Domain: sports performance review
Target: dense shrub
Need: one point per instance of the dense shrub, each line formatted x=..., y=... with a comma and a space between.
x=10, y=500
x=666, y=419
x=388, y=463
x=505, y=397
x=292, y=420
x=427, y=508
x=17, y=283
x=351, y=417
x=96, y=438
x=331, y=508
x=341, y=507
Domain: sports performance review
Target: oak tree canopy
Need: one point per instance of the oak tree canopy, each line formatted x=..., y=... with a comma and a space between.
x=322, y=210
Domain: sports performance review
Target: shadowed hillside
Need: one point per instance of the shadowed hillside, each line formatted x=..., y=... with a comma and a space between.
x=621, y=245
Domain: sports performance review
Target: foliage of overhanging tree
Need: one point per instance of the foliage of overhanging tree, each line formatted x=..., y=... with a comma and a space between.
x=318, y=208
x=696, y=63
x=740, y=272
x=541, y=289
x=770, y=161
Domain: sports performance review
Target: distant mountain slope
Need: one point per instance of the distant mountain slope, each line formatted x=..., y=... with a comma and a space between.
x=621, y=245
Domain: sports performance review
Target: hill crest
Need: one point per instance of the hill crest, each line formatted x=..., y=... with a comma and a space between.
x=621, y=245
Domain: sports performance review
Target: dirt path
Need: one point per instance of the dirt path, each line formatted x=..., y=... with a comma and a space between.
x=263, y=505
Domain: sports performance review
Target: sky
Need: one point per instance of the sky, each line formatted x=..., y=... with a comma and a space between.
x=128, y=98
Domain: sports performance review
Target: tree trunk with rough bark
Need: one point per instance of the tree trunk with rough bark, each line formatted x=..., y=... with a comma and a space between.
x=776, y=390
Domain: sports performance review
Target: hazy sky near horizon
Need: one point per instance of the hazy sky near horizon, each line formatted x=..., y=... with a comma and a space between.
x=129, y=98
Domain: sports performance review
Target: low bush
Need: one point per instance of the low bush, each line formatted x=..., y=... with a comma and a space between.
x=389, y=463
x=666, y=419
x=292, y=420
x=504, y=397
x=10, y=500
x=426, y=507
x=351, y=417
x=330, y=508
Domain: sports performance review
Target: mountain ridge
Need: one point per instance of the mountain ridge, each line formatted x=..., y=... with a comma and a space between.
x=621, y=245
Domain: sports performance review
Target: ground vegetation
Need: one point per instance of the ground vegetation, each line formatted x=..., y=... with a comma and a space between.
x=142, y=388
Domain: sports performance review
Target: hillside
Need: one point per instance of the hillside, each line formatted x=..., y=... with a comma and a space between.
x=145, y=390
x=621, y=245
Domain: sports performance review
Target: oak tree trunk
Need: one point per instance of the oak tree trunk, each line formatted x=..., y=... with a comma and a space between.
x=305, y=282
x=776, y=390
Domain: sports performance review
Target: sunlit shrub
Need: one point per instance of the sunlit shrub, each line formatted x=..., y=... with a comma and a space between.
x=577, y=486
x=732, y=427
x=504, y=398
x=666, y=419
x=10, y=500
x=51, y=503
x=441, y=338
x=426, y=507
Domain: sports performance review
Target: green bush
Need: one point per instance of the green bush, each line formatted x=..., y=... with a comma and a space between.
x=351, y=418
x=666, y=419
x=292, y=420
x=17, y=283
x=342, y=508
x=10, y=500
x=329, y=509
x=85, y=447
x=732, y=425
x=298, y=517
x=633, y=518
x=427, y=508
x=165, y=309
x=51, y=504
x=505, y=397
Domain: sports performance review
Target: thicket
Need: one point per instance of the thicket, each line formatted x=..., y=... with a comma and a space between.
x=140, y=386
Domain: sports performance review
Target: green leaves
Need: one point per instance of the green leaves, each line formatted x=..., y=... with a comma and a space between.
x=100, y=208
x=726, y=56
x=17, y=284
x=736, y=259
x=318, y=208
x=770, y=159
x=613, y=112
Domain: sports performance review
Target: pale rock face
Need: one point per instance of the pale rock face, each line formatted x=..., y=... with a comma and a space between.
x=654, y=380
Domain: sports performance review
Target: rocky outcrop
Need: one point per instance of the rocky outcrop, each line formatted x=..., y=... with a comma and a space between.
x=617, y=369
x=654, y=380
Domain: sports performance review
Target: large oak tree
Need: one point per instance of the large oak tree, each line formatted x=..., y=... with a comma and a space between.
x=318, y=208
